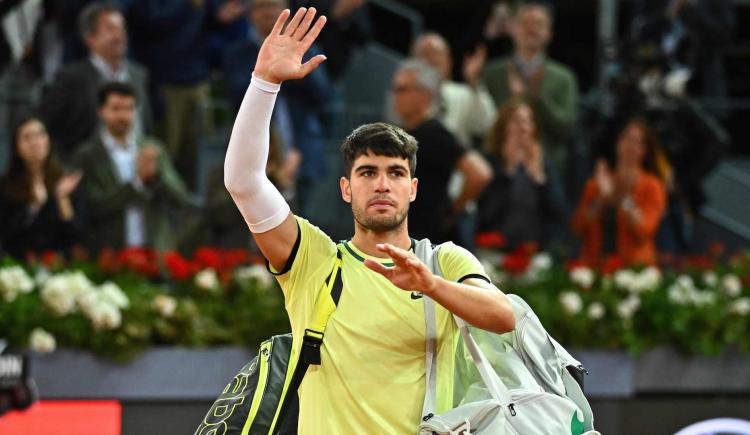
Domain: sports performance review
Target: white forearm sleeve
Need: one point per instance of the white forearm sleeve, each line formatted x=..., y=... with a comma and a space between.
x=245, y=178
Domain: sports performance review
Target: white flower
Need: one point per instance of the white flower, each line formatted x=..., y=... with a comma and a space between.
x=57, y=296
x=625, y=278
x=541, y=262
x=106, y=316
x=78, y=282
x=165, y=305
x=638, y=282
x=14, y=280
x=627, y=308
x=732, y=285
x=596, y=310
x=112, y=293
x=582, y=276
x=685, y=282
x=99, y=309
x=678, y=295
x=710, y=279
x=42, y=341
x=87, y=302
x=683, y=292
x=648, y=280
x=740, y=306
x=703, y=298
x=256, y=272
x=571, y=302
x=41, y=277
x=207, y=279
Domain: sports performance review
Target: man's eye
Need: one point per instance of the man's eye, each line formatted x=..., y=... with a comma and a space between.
x=397, y=174
x=367, y=173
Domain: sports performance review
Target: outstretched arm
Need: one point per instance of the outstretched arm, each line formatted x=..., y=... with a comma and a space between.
x=478, y=302
x=264, y=209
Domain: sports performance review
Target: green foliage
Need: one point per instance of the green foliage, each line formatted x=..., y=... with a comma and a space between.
x=701, y=311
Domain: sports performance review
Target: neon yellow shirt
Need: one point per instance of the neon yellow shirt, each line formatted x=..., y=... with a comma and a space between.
x=372, y=374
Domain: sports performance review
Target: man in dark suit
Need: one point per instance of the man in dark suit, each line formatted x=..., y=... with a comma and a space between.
x=68, y=108
x=130, y=185
x=297, y=113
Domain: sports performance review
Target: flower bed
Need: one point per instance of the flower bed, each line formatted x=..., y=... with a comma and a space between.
x=127, y=301
x=697, y=304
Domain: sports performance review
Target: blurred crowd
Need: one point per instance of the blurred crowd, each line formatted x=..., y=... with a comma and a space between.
x=108, y=155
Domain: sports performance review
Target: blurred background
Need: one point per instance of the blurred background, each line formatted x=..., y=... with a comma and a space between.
x=593, y=154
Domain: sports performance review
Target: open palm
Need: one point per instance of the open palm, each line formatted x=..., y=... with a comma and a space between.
x=280, y=56
x=407, y=273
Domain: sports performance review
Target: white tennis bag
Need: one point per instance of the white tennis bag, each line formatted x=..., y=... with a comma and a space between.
x=543, y=398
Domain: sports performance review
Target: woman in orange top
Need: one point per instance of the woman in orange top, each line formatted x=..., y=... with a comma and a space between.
x=620, y=210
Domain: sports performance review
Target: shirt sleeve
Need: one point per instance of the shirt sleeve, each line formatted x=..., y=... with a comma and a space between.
x=312, y=258
x=458, y=264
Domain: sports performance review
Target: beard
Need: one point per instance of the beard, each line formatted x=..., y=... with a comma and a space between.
x=379, y=223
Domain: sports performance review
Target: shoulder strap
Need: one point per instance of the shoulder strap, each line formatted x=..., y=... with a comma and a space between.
x=428, y=255
x=325, y=304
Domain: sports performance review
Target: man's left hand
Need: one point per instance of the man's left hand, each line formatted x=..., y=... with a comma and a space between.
x=407, y=273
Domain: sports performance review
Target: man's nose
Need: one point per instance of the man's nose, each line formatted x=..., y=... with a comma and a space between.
x=382, y=184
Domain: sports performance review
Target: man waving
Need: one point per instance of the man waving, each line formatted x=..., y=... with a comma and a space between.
x=372, y=373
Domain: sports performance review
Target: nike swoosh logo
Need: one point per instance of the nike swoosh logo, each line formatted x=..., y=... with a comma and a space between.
x=416, y=295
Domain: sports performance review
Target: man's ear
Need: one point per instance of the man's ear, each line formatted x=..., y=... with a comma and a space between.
x=346, y=189
x=413, y=194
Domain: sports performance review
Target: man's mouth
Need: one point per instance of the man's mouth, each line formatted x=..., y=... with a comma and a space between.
x=380, y=203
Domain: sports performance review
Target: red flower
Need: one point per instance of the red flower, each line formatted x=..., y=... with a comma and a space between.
x=49, y=258
x=572, y=264
x=206, y=257
x=516, y=263
x=699, y=262
x=140, y=260
x=716, y=250
x=490, y=239
x=108, y=261
x=234, y=257
x=612, y=264
x=527, y=248
x=179, y=268
x=80, y=253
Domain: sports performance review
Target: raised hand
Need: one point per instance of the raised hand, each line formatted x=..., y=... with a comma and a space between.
x=148, y=163
x=280, y=56
x=408, y=272
x=473, y=65
x=604, y=180
x=67, y=184
x=515, y=84
x=230, y=10
x=535, y=163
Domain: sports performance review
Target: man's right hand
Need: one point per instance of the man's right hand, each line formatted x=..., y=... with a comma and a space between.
x=280, y=56
x=148, y=163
